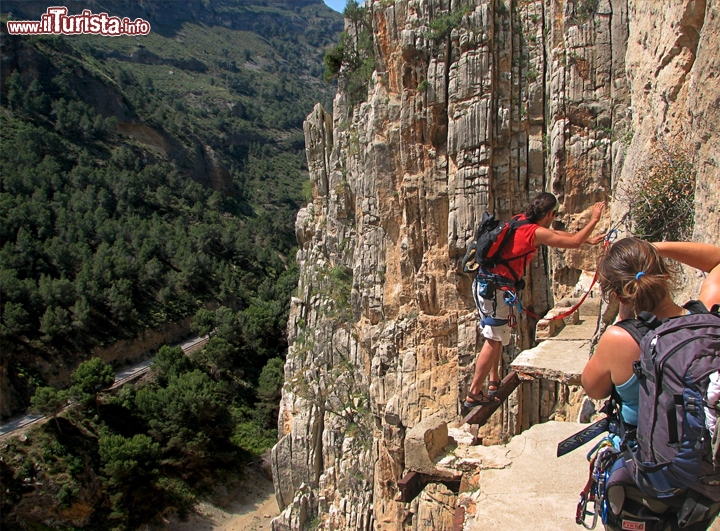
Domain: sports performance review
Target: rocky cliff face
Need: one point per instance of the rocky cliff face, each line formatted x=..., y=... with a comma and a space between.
x=672, y=68
x=518, y=97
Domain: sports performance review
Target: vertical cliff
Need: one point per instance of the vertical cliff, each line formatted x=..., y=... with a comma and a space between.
x=473, y=106
x=672, y=70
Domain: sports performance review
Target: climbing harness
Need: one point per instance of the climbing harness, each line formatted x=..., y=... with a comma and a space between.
x=486, y=286
x=602, y=458
x=492, y=282
x=605, y=454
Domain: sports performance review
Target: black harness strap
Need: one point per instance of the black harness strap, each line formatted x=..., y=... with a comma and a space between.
x=671, y=412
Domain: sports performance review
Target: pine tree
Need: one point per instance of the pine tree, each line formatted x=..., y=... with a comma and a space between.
x=49, y=401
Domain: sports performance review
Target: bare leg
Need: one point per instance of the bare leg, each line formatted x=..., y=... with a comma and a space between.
x=494, y=381
x=494, y=370
x=486, y=363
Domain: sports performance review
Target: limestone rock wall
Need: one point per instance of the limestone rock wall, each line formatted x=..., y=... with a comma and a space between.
x=672, y=72
x=519, y=97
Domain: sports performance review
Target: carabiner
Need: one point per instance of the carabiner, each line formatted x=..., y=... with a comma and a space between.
x=611, y=236
x=583, y=513
x=510, y=298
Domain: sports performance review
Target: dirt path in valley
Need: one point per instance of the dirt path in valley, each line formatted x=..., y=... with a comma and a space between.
x=245, y=505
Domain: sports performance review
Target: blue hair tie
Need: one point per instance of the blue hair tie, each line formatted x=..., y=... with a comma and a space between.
x=641, y=273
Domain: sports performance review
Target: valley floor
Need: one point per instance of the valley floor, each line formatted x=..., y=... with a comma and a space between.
x=246, y=505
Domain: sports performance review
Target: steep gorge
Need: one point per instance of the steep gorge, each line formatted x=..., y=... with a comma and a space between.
x=561, y=95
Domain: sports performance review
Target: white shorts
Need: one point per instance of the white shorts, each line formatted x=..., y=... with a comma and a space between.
x=485, y=309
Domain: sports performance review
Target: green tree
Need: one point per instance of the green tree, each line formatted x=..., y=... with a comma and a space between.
x=189, y=418
x=227, y=324
x=131, y=468
x=204, y=322
x=219, y=357
x=91, y=377
x=55, y=322
x=81, y=313
x=15, y=91
x=49, y=401
x=128, y=461
x=15, y=320
x=36, y=100
x=442, y=26
x=170, y=362
x=269, y=391
x=260, y=324
x=355, y=52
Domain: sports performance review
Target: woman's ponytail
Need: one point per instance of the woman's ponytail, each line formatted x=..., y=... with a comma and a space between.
x=634, y=271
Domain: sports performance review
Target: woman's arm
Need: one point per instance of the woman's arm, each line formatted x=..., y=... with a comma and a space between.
x=565, y=240
x=701, y=256
x=611, y=364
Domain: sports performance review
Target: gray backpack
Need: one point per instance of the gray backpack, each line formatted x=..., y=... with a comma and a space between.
x=679, y=363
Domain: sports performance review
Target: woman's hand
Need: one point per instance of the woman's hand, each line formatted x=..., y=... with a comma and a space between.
x=597, y=210
x=596, y=213
x=563, y=240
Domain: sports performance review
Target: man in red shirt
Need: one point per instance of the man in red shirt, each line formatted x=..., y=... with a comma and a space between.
x=490, y=286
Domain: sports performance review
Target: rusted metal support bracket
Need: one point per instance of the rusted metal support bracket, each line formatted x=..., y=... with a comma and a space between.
x=413, y=483
x=459, y=518
x=479, y=415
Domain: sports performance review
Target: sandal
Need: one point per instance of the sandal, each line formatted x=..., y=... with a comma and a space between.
x=492, y=393
x=472, y=400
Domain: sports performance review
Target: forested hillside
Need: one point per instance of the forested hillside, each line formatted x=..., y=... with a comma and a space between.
x=145, y=176
x=145, y=180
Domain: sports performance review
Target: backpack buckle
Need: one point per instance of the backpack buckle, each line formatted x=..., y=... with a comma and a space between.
x=637, y=369
x=650, y=319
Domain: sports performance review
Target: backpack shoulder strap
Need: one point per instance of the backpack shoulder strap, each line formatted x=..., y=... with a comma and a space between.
x=516, y=222
x=637, y=328
x=697, y=307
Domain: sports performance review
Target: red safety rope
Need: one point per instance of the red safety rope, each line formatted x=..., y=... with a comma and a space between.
x=571, y=310
x=611, y=235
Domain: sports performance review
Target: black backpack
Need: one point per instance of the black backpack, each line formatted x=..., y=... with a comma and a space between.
x=678, y=357
x=490, y=237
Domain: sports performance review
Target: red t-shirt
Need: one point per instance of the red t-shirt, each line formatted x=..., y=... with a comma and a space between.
x=523, y=241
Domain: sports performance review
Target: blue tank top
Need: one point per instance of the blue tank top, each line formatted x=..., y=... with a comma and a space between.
x=630, y=395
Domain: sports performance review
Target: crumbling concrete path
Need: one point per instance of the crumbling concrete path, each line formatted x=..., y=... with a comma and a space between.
x=526, y=487
x=535, y=490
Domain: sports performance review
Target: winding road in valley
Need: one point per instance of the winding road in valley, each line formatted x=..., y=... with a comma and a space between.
x=121, y=378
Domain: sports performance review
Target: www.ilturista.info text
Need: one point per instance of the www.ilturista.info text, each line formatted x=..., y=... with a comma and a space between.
x=56, y=21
